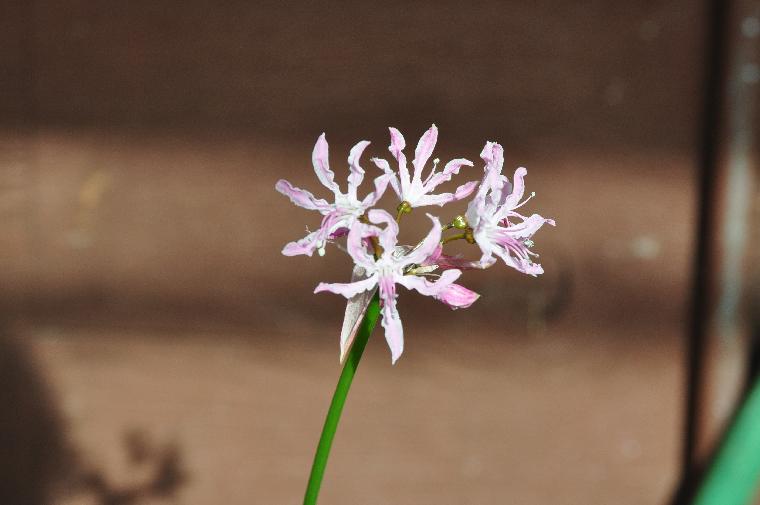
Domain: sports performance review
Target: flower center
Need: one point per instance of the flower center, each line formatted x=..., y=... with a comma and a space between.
x=387, y=267
x=348, y=205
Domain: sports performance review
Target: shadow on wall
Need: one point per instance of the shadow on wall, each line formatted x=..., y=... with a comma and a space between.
x=163, y=478
x=37, y=462
x=34, y=452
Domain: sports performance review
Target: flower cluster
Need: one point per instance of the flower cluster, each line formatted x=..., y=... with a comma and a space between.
x=492, y=222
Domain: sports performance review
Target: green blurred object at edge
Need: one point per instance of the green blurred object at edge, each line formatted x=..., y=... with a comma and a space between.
x=734, y=475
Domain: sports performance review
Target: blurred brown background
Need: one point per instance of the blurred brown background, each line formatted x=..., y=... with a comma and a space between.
x=158, y=349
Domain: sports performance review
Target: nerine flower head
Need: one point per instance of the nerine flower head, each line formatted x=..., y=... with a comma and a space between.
x=391, y=267
x=492, y=215
x=340, y=215
x=492, y=221
x=412, y=190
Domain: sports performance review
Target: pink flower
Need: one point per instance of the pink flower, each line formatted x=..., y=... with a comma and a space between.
x=496, y=226
x=339, y=216
x=414, y=190
x=389, y=269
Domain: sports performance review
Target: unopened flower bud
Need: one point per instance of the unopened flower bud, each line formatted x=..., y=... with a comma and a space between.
x=459, y=222
x=404, y=207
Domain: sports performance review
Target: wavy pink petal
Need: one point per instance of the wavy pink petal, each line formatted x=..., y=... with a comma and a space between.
x=397, y=150
x=348, y=289
x=424, y=150
x=306, y=245
x=518, y=189
x=465, y=190
x=333, y=225
x=301, y=197
x=527, y=228
x=440, y=199
x=357, y=172
x=452, y=168
x=320, y=160
x=426, y=287
x=493, y=181
x=394, y=332
x=493, y=155
x=457, y=296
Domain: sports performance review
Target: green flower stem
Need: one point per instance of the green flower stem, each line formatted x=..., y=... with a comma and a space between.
x=453, y=238
x=734, y=475
x=339, y=399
